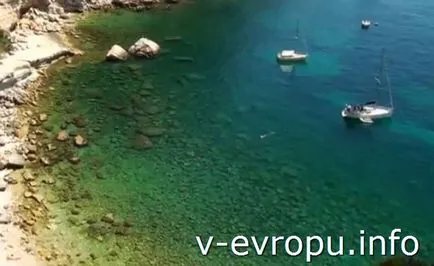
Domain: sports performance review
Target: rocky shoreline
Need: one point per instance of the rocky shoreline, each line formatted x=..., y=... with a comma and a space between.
x=35, y=43
x=37, y=39
x=13, y=11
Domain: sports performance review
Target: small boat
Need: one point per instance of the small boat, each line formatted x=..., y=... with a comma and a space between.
x=292, y=56
x=370, y=111
x=366, y=24
x=367, y=112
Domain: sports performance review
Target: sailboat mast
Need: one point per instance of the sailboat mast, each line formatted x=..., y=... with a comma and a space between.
x=298, y=35
x=387, y=77
x=297, y=30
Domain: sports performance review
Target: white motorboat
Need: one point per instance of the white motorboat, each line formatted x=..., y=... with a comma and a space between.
x=291, y=56
x=370, y=111
x=365, y=24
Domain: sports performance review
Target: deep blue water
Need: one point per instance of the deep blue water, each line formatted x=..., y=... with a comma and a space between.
x=211, y=173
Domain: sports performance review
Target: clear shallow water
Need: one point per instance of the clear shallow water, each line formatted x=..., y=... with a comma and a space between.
x=211, y=173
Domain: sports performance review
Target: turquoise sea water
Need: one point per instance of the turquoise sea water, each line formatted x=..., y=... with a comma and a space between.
x=211, y=173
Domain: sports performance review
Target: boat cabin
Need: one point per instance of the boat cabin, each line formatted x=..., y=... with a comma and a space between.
x=287, y=53
x=365, y=24
x=359, y=107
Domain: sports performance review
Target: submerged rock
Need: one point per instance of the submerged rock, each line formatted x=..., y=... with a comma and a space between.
x=183, y=59
x=195, y=76
x=152, y=110
x=51, y=147
x=62, y=135
x=32, y=148
x=137, y=5
x=142, y=142
x=147, y=85
x=74, y=159
x=80, y=141
x=144, y=48
x=72, y=130
x=33, y=122
x=152, y=131
x=48, y=127
x=108, y=218
x=79, y=121
x=116, y=53
x=43, y=117
x=403, y=261
x=45, y=161
x=173, y=38
x=28, y=176
x=22, y=131
x=145, y=93
x=134, y=67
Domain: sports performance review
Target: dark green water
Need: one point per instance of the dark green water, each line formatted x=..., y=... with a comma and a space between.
x=211, y=173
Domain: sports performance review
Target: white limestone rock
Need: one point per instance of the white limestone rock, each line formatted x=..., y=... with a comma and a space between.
x=144, y=48
x=116, y=53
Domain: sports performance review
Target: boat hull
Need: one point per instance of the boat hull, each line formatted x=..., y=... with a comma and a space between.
x=289, y=59
x=365, y=24
x=369, y=112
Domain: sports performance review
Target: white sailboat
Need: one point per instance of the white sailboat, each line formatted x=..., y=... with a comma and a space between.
x=292, y=55
x=370, y=111
x=365, y=24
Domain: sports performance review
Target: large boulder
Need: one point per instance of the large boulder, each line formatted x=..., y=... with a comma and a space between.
x=116, y=53
x=16, y=160
x=144, y=48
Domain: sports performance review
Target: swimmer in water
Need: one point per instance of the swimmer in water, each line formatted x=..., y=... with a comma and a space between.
x=267, y=135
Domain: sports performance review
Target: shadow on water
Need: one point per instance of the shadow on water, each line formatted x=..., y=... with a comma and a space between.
x=357, y=124
x=291, y=67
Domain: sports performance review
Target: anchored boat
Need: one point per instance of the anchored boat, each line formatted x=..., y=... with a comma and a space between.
x=370, y=111
x=291, y=56
x=288, y=56
x=365, y=24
